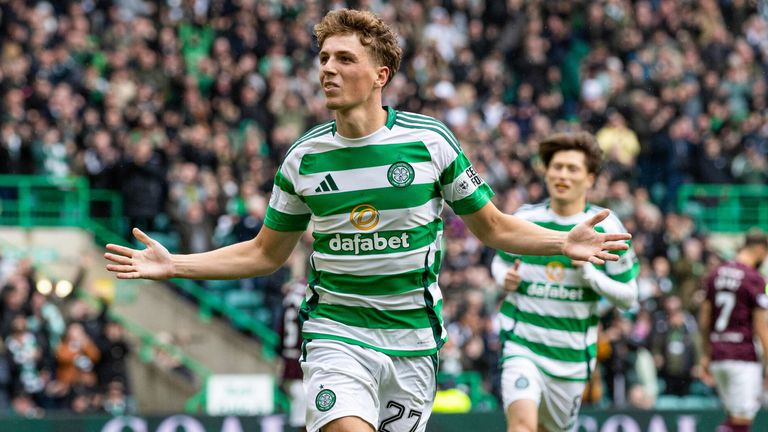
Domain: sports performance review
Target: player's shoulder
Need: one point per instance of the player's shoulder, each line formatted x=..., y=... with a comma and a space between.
x=305, y=141
x=611, y=224
x=427, y=128
x=416, y=119
x=535, y=211
x=756, y=280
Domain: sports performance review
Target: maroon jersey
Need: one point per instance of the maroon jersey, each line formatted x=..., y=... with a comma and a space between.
x=734, y=291
x=290, y=334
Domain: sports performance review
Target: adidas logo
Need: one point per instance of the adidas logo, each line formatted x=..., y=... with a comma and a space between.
x=327, y=185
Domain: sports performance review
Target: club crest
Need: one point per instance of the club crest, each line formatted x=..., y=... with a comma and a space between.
x=400, y=174
x=325, y=400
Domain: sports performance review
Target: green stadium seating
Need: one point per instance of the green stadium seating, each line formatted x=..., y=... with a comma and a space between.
x=244, y=300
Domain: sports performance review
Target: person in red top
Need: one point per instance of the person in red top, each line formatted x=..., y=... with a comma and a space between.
x=734, y=312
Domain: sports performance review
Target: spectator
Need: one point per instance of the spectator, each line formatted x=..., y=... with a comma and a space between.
x=76, y=357
x=619, y=366
x=48, y=324
x=14, y=297
x=143, y=183
x=82, y=313
x=116, y=402
x=26, y=355
x=675, y=347
x=112, y=366
x=619, y=143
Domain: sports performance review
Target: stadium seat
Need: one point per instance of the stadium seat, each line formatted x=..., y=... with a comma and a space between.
x=263, y=314
x=169, y=240
x=221, y=286
x=698, y=388
x=162, y=222
x=693, y=402
x=668, y=402
x=244, y=300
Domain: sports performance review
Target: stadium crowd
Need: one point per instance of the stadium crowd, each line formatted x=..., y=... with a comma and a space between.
x=58, y=354
x=186, y=107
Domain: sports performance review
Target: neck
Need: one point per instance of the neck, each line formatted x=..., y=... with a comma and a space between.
x=360, y=121
x=568, y=208
x=747, y=258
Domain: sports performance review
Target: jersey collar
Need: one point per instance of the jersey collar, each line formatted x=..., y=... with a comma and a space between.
x=391, y=116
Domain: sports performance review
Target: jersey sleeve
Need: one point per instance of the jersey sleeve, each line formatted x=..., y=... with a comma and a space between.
x=462, y=187
x=500, y=265
x=627, y=267
x=286, y=210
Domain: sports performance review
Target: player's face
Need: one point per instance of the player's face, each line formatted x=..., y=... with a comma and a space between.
x=567, y=177
x=348, y=75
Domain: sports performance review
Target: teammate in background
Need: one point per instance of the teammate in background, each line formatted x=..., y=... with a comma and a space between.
x=549, y=318
x=373, y=182
x=735, y=311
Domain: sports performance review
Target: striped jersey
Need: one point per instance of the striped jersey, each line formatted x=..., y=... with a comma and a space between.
x=375, y=204
x=552, y=317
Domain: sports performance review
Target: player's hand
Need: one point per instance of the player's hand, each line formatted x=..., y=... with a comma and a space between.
x=512, y=278
x=583, y=243
x=154, y=262
x=705, y=375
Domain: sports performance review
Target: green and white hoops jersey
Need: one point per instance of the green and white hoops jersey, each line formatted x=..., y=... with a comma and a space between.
x=552, y=317
x=375, y=205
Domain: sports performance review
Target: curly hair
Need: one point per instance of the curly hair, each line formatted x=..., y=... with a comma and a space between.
x=584, y=142
x=374, y=34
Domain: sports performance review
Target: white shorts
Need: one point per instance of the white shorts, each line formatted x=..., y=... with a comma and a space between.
x=393, y=394
x=558, y=400
x=739, y=384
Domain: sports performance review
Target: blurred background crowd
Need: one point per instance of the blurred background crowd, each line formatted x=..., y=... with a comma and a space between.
x=186, y=107
x=58, y=355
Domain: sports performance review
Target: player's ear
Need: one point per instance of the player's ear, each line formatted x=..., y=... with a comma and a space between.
x=382, y=76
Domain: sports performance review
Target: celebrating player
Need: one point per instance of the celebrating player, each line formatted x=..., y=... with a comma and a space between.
x=549, y=318
x=373, y=182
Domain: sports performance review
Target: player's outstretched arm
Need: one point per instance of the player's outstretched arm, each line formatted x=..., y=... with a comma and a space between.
x=259, y=256
x=518, y=236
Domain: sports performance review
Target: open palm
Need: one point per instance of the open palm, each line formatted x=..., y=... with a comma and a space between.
x=154, y=262
x=585, y=244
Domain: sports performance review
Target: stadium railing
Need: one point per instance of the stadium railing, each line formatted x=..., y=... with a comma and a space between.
x=725, y=208
x=30, y=201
